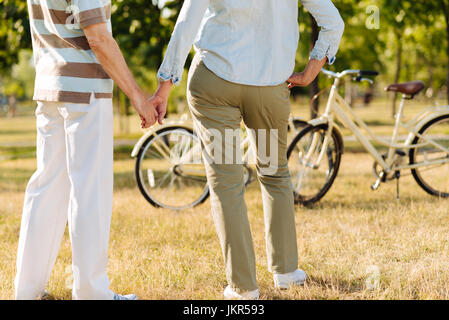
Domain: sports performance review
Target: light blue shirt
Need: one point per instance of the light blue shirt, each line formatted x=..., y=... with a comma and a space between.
x=250, y=42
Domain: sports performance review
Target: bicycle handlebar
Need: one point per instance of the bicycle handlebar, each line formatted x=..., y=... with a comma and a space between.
x=359, y=73
x=368, y=73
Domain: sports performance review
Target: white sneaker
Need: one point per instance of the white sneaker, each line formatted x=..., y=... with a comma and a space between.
x=286, y=280
x=231, y=294
x=125, y=297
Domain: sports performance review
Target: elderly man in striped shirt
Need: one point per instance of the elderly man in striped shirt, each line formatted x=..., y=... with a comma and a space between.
x=76, y=61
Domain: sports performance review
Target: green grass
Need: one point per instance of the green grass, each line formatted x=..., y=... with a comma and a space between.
x=160, y=254
x=343, y=241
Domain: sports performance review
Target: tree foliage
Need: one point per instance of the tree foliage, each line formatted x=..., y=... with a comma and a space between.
x=14, y=32
x=411, y=40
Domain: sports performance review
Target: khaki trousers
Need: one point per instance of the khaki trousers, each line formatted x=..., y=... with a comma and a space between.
x=219, y=106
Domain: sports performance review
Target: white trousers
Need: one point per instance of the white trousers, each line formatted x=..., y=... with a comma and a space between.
x=74, y=182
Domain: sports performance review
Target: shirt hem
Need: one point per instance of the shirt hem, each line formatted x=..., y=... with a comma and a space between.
x=241, y=81
x=70, y=97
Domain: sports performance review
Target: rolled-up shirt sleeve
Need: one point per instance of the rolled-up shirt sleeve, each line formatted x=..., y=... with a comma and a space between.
x=89, y=12
x=186, y=29
x=332, y=27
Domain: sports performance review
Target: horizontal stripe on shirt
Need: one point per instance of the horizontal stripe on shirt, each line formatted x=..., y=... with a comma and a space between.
x=53, y=41
x=68, y=96
x=52, y=4
x=63, y=4
x=64, y=17
x=46, y=82
x=58, y=55
x=93, y=16
x=61, y=30
x=72, y=69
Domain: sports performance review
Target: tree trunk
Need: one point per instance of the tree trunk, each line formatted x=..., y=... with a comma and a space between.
x=431, y=72
x=314, y=87
x=444, y=5
x=446, y=14
x=398, y=71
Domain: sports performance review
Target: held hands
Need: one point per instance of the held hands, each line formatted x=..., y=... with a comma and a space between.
x=160, y=99
x=160, y=104
x=146, y=110
x=155, y=108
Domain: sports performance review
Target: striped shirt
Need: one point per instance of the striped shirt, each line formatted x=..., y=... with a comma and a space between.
x=66, y=67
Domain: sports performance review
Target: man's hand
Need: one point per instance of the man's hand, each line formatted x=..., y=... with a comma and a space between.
x=303, y=79
x=146, y=110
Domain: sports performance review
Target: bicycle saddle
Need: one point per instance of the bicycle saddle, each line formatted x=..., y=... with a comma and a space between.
x=411, y=88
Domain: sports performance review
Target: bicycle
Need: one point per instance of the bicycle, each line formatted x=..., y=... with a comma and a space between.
x=317, y=150
x=169, y=169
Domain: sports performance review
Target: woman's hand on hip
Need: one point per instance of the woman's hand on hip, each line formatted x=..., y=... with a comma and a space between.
x=303, y=79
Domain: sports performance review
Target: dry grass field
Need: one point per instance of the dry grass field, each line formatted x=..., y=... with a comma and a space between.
x=355, y=244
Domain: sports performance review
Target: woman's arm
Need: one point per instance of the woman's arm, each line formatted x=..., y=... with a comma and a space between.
x=186, y=29
x=171, y=70
x=332, y=27
x=326, y=47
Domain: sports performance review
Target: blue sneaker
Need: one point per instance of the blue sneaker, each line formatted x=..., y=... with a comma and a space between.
x=125, y=297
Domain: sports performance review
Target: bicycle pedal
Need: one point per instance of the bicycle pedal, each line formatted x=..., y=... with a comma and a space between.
x=376, y=185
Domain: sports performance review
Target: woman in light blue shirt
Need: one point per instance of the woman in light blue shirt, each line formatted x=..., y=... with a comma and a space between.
x=242, y=70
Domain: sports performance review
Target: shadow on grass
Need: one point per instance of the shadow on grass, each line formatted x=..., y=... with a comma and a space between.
x=14, y=179
x=124, y=180
x=123, y=152
x=363, y=203
x=50, y=297
x=17, y=132
x=15, y=153
x=341, y=285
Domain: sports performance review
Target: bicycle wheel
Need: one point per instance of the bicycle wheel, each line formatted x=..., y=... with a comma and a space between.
x=169, y=169
x=312, y=178
x=434, y=178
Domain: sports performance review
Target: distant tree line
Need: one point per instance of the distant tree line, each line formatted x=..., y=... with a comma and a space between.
x=403, y=39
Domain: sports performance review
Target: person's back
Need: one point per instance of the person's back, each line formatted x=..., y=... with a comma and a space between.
x=66, y=68
x=240, y=53
x=251, y=42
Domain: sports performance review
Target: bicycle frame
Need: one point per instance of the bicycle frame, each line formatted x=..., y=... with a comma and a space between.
x=337, y=106
x=186, y=123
